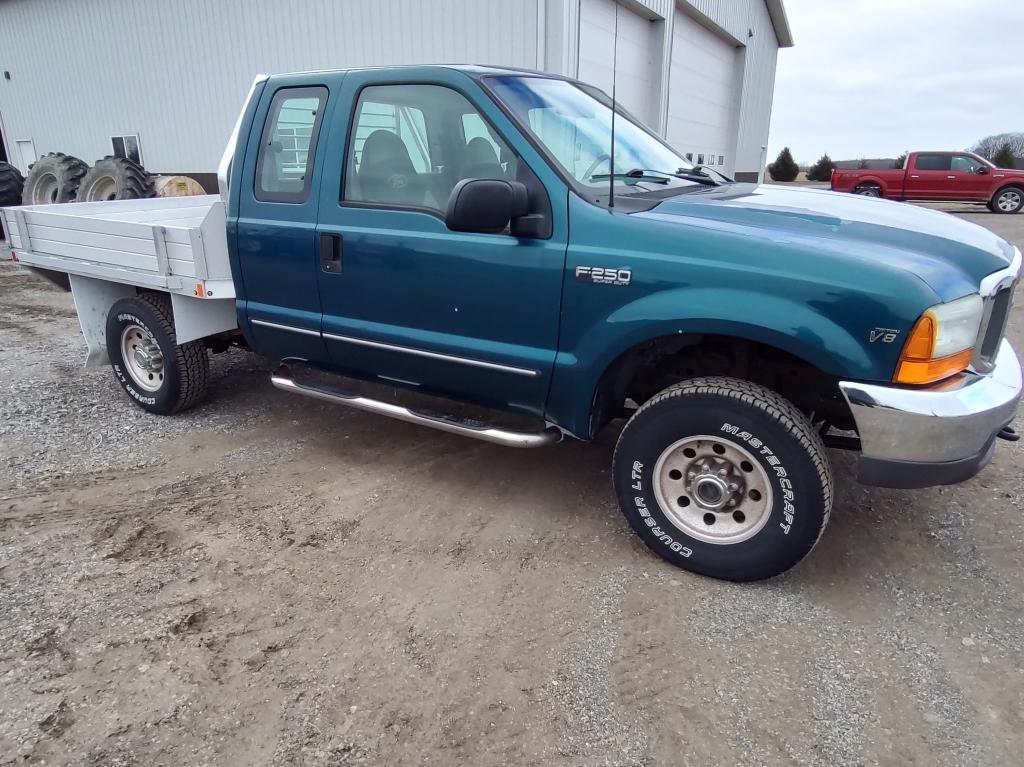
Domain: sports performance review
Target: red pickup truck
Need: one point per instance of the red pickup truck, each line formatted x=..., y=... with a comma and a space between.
x=960, y=176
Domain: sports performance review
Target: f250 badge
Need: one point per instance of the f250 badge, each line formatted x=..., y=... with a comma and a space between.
x=885, y=335
x=600, y=275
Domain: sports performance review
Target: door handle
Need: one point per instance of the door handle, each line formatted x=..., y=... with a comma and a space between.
x=330, y=252
x=915, y=177
x=952, y=177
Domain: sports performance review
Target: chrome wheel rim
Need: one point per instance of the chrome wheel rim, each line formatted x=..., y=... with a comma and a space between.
x=869, y=191
x=142, y=358
x=1009, y=201
x=712, y=490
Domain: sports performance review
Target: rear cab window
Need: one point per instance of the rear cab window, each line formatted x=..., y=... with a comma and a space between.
x=932, y=162
x=288, y=145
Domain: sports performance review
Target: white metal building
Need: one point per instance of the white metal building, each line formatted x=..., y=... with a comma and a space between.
x=76, y=75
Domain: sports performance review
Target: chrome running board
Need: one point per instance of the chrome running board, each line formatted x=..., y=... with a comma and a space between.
x=283, y=380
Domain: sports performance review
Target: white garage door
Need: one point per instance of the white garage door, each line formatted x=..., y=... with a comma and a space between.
x=702, y=94
x=638, y=45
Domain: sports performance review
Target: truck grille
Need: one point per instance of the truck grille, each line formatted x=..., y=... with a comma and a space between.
x=993, y=326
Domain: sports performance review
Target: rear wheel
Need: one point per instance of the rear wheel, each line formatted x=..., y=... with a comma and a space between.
x=159, y=374
x=724, y=478
x=1008, y=200
x=868, y=190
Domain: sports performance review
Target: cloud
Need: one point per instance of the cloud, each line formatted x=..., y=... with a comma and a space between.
x=872, y=78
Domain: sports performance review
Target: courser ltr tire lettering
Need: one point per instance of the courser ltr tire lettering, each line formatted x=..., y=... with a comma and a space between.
x=767, y=426
x=186, y=367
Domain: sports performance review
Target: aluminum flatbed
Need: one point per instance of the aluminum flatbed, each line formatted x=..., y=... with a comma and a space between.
x=176, y=245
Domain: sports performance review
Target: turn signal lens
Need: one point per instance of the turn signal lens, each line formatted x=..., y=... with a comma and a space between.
x=921, y=343
x=941, y=343
x=930, y=371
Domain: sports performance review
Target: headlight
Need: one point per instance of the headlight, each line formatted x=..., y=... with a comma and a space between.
x=942, y=342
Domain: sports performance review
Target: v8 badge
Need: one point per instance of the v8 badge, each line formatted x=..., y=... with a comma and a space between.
x=885, y=335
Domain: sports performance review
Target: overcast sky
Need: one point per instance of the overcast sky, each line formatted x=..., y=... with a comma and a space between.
x=872, y=78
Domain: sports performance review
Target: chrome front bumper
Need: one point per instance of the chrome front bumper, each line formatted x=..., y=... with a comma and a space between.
x=935, y=435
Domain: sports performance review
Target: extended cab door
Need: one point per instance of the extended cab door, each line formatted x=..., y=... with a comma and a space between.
x=275, y=255
x=407, y=300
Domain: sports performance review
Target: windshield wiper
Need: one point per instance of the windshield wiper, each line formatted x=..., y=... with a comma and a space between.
x=638, y=174
x=698, y=175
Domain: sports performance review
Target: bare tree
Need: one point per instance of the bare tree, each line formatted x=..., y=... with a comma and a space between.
x=990, y=145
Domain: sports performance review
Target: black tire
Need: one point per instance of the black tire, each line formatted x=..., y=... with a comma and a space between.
x=12, y=183
x=115, y=178
x=53, y=178
x=185, y=367
x=1014, y=195
x=868, y=190
x=769, y=429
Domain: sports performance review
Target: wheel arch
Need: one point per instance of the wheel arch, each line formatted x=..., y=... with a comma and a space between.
x=583, y=398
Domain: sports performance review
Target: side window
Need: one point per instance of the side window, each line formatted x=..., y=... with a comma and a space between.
x=410, y=145
x=932, y=162
x=288, y=146
x=403, y=121
x=964, y=164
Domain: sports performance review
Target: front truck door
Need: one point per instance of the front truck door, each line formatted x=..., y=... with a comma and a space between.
x=930, y=178
x=275, y=242
x=971, y=184
x=405, y=299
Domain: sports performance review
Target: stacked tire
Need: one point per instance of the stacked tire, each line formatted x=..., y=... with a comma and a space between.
x=11, y=185
x=115, y=178
x=59, y=177
x=53, y=178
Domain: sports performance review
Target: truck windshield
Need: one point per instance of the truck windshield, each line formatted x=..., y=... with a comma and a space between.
x=573, y=123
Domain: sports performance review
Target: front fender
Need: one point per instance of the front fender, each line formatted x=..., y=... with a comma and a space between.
x=806, y=329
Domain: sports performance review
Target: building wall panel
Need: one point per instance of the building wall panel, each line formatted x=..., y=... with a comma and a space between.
x=176, y=72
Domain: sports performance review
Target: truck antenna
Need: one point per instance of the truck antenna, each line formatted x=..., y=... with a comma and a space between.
x=611, y=156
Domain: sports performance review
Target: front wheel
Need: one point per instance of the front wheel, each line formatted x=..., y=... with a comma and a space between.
x=724, y=478
x=1008, y=200
x=159, y=374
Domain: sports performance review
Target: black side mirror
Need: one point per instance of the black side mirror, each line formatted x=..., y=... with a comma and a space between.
x=982, y=170
x=486, y=205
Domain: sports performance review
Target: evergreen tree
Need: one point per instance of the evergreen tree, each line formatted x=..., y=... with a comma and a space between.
x=822, y=169
x=900, y=161
x=784, y=168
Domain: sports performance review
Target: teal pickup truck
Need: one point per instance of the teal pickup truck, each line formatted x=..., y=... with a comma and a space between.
x=471, y=236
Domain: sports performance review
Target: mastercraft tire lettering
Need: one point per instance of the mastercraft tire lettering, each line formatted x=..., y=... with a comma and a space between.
x=724, y=478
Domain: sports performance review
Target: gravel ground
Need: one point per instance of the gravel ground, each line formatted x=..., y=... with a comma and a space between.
x=270, y=580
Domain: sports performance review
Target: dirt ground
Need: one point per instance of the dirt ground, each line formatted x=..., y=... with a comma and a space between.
x=270, y=580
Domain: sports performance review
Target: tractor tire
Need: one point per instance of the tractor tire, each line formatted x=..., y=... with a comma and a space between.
x=53, y=178
x=11, y=185
x=115, y=178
